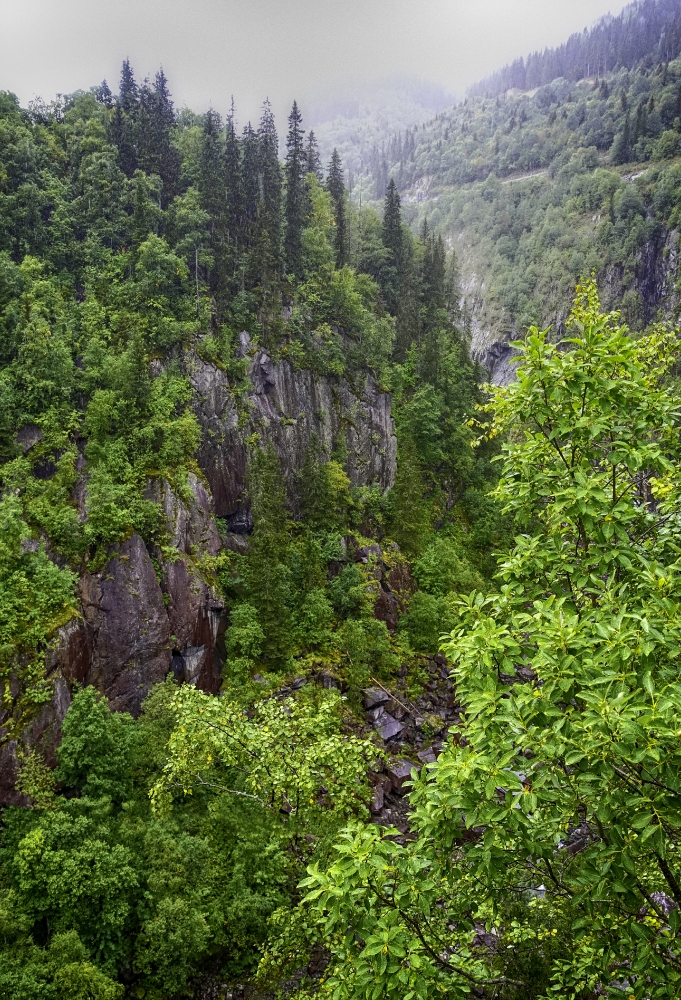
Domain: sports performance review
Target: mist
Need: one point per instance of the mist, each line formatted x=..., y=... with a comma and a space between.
x=307, y=49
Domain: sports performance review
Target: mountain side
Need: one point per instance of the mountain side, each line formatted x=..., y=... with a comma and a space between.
x=537, y=190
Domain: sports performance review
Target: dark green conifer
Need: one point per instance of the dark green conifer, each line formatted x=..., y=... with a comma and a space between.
x=250, y=183
x=156, y=122
x=267, y=576
x=104, y=95
x=268, y=252
x=212, y=187
x=128, y=93
x=233, y=183
x=314, y=163
x=123, y=128
x=296, y=200
x=393, y=241
x=621, y=147
x=336, y=188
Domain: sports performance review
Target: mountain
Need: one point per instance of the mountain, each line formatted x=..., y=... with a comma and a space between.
x=365, y=124
x=645, y=32
x=535, y=189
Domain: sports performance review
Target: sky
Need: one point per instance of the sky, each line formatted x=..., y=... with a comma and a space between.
x=282, y=49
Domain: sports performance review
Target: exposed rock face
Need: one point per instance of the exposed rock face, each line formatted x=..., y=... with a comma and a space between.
x=288, y=408
x=137, y=625
x=147, y=613
x=129, y=631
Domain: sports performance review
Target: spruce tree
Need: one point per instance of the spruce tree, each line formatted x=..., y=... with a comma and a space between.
x=233, y=183
x=336, y=188
x=268, y=251
x=296, y=200
x=410, y=512
x=621, y=147
x=393, y=238
x=123, y=127
x=393, y=241
x=212, y=190
x=267, y=576
x=156, y=122
x=314, y=163
x=104, y=95
x=128, y=93
x=250, y=184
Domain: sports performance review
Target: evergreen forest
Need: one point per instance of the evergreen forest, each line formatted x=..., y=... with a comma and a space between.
x=328, y=668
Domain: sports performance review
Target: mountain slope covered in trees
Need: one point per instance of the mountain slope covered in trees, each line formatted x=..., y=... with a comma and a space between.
x=200, y=347
x=535, y=188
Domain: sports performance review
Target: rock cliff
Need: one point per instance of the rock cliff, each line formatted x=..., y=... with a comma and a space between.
x=148, y=612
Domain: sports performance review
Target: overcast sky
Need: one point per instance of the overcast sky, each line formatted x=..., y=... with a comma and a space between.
x=277, y=48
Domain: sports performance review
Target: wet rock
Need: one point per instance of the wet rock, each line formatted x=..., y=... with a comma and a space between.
x=130, y=631
x=387, y=608
x=399, y=773
x=235, y=543
x=289, y=408
x=377, y=800
x=427, y=756
x=374, y=697
x=28, y=436
x=388, y=727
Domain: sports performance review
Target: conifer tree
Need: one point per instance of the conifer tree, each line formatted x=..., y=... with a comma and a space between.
x=156, y=121
x=267, y=577
x=268, y=253
x=104, y=95
x=410, y=514
x=233, y=183
x=621, y=148
x=250, y=183
x=128, y=93
x=296, y=200
x=393, y=238
x=336, y=188
x=314, y=163
x=123, y=128
x=212, y=191
x=393, y=241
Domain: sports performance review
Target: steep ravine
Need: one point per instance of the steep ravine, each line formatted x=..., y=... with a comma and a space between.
x=150, y=611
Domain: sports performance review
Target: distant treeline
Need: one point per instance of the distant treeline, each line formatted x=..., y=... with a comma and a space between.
x=647, y=30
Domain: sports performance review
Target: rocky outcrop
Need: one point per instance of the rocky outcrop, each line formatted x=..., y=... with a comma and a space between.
x=144, y=614
x=151, y=610
x=289, y=408
x=389, y=575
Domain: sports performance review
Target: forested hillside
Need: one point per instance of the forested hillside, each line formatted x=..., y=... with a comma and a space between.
x=325, y=669
x=234, y=413
x=536, y=188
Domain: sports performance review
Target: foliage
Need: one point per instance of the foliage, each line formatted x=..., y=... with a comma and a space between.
x=546, y=859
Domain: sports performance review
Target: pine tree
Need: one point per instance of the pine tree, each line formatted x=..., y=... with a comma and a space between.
x=314, y=163
x=296, y=199
x=336, y=188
